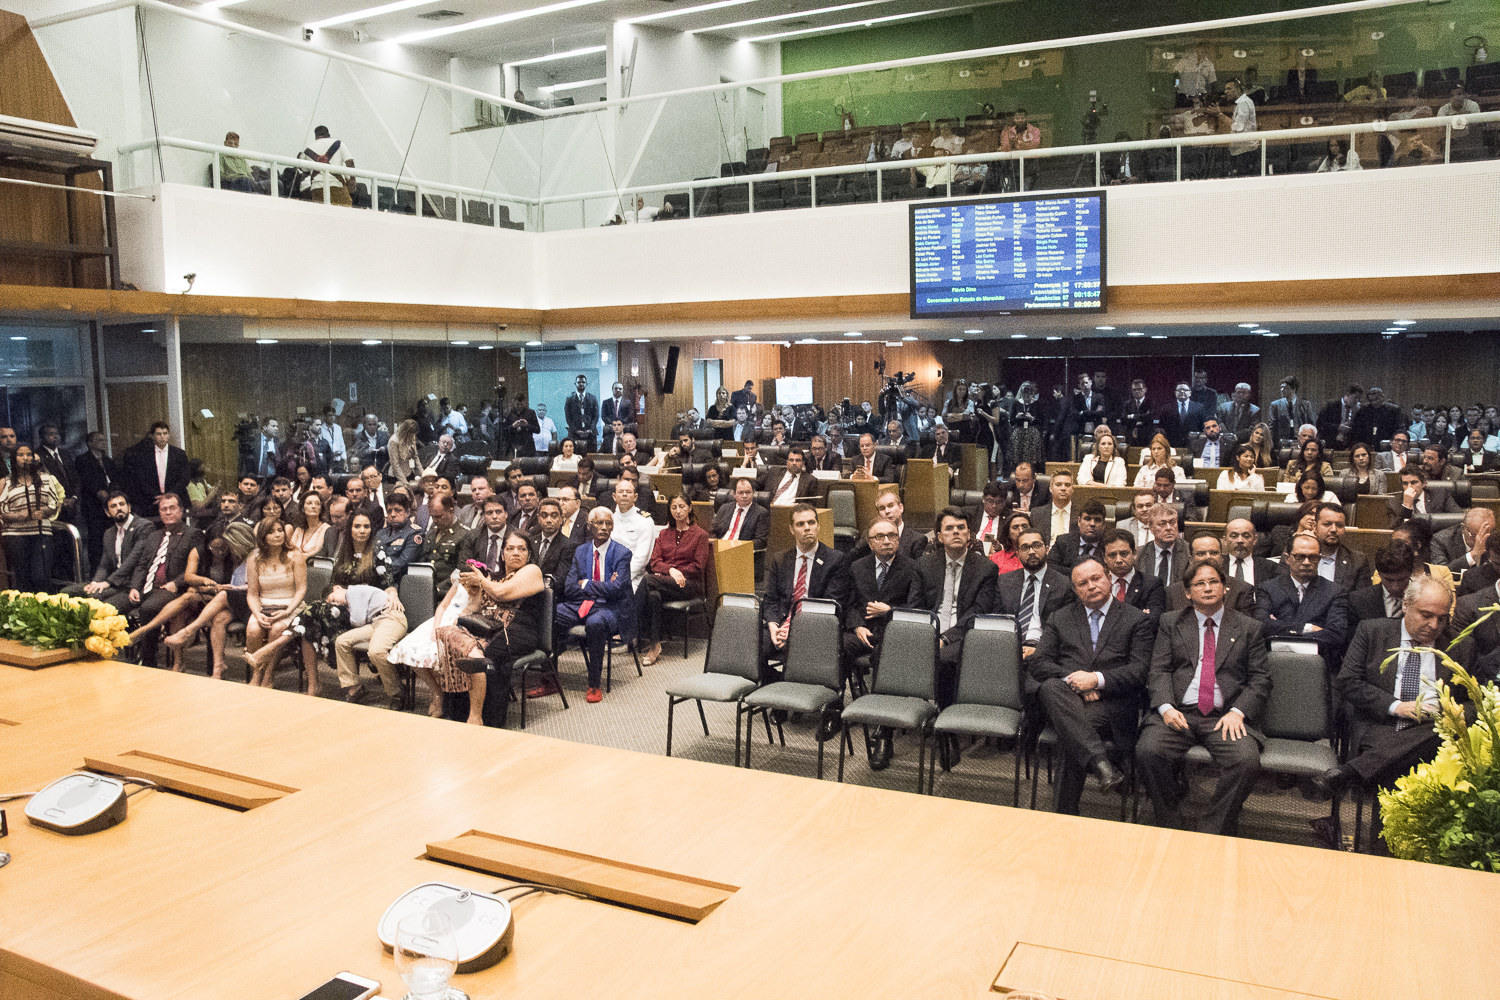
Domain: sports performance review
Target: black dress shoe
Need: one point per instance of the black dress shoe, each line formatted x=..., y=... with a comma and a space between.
x=881, y=758
x=830, y=727
x=779, y=716
x=1334, y=780
x=948, y=753
x=1111, y=779
x=1327, y=834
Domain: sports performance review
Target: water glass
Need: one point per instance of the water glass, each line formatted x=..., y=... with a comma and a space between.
x=426, y=954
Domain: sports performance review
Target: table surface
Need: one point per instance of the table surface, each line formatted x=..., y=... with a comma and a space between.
x=842, y=890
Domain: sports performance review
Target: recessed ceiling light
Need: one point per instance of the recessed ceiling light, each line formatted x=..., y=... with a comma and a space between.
x=1404, y=322
x=687, y=10
x=854, y=333
x=1270, y=335
x=1158, y=336
x=149, y=329
x=1018, y=336
x=486, y=22
x=716, y=341
x=893, y=343
x=486, y=347
x=908, y=337
x=742, y=336
x=757, y=20
x=23, y=338
x=866, y=22
x=1248, y=326
x=459, y=343
x=808, y=340
x=587, y=50
x=574, y=85
x=533, y=343
x=370, y=343
x=1260, y=329
x=973, y=331
x=955, y=340
x=1103, y=328
x=1054, y=338
x=262, y=340
x=643, y=340
x=1135, y=333
x=356, y=15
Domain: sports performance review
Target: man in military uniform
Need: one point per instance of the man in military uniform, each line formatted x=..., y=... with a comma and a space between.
x=400, y=541
x=445, y=540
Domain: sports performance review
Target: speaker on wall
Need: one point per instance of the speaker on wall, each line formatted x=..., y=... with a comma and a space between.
x=669, y=378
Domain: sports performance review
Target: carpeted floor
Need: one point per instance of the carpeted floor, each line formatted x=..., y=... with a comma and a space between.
x=633, y=716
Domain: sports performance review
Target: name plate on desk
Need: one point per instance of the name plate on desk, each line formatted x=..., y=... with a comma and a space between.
x=1293, y=646
x=237, y=791
x=743, y=473
x=828, y=475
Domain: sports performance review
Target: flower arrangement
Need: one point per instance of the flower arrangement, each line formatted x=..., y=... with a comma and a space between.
x=55, y=621
x=1447, y=811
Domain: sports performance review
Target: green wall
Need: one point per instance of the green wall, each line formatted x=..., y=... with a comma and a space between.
x=1416, y=36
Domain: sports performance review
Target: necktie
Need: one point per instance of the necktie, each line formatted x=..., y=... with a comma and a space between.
x=492, y=557
x=869, y=466
x=161, y=472
x=1182, y=410
x=1023, y=620
x=1206, y=679
x=587, y=606
x=1096, y=619
x=521, y=522
x=1164, y=565
x=799, y=589
x=119, y=542
x=787, y=482
x=1301, y=590
x=157, y=574
x=1411, y=683
x=734, y=529
x=1239, y=570
x=987, y=528
x=880, y=569
x=541, y=550
x=950, y=595
x=1120, y=589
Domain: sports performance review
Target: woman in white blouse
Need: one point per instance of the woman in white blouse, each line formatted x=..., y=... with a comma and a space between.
x=1104, y=467
x=1161, y=458
x=1242, y=476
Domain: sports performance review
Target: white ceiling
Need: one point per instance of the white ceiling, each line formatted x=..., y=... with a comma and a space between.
x=567, y=29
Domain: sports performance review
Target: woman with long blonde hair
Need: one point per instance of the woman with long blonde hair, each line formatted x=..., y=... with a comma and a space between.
x=406, y=462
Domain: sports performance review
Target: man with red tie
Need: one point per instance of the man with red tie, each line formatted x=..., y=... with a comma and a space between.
x=744, y=520
x=810, y=571
x=599, y=597
x=1207, y=686
x=871, y=464
x=159, y=563
x=989, y=522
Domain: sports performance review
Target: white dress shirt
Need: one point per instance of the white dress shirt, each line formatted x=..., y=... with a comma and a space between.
x=1248, y=564
x=1428, y=695
x=785, y=493
x=161, y=468
x=637, y=533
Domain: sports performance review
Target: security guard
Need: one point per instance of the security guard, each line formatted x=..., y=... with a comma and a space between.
x=398, y=541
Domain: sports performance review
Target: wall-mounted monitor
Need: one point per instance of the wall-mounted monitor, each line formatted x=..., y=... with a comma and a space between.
x=1006, y=256
x=795, y=390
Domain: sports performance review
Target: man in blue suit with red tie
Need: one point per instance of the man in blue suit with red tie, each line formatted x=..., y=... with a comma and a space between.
x=599, y=596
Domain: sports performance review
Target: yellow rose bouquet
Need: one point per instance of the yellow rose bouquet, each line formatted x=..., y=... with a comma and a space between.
x=55, y=621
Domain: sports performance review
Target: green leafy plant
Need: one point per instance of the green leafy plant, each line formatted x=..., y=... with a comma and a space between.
x=55, y=621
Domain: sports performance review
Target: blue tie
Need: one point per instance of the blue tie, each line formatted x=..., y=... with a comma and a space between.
x=1096, y=619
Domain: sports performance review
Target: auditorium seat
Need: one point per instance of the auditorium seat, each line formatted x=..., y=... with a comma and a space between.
x=439, y=207
x=479, y=213
x=1483, y=79
x=1439, y=82
x=403, y=201
x=806, y=139
x=1397, y=84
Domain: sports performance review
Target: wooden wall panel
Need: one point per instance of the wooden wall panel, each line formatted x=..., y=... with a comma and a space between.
x=741, y=361
x=38, y=215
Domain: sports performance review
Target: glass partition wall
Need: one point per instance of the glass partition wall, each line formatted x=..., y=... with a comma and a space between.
x=1162, y=103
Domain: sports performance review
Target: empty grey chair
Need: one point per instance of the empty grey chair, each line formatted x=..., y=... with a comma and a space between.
x=731, y=668
x=541, y=660
x=904, y=694
x=319, y=578
x=1298, y=738
x=812, y=679
x=988, y=702
x=845, y=522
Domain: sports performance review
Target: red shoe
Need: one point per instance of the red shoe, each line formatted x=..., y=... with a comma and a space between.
x=542, y=690
x=595, y=696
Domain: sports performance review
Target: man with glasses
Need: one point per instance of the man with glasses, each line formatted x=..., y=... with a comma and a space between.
x=1301, y=604
x=883, y=579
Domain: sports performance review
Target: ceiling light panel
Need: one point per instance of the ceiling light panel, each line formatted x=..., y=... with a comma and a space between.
x=866, y=23
x=689, y=10
x=370, y=12
x=781, y=17
x=489, y=22
x=587, y=50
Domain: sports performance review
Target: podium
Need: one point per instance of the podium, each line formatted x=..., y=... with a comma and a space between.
x=667, y=484
x=781, y=531
x=926, y=493
x=865, y=492
x=734, y=567
x=703, y=515
x=976, y=467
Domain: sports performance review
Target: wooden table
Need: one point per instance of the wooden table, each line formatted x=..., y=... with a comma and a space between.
x=842, y=891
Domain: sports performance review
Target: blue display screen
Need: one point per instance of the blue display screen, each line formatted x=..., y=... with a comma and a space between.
x=1008, y=255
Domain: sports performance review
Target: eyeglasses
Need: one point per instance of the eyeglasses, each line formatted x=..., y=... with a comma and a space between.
x=884, y=536
x=1300, y=557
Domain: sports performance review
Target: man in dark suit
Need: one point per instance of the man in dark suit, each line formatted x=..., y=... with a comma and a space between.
x=1335, y=421
x=1393, y=705
x=157, y=566
x=1289, y=413
x=794, y=483
x=987, y=524
x=1241, y=538
x=1023, y=493
x=744, y=396
x=1346, y=567
x=1086, y=542
x=871, y=464
x=519, y=428
x=360, y=503
x=821, y=458
x=1056, y=518
x=486, y=542
x=1091, y=666
x=1396, y=563
x=1135, y=417
x=1207, y=686
x=958, y=583
x=60, y=467
x=1166, y=556
x=613, y=442
x=1301, y=604
x=1144, y=593
x=882, y=579
x=1032, y=593
x=809, y=570
x=441, y=459
x=370, y=442
x=1377, y=420
x=895, y=436
x=154, y=466
x=616, y=408
x=97, y=479
x=943, y=452
x=1089, y=407
x=553, y=549
x=599, y=596
x=913, y=543
x=575, y=524
x=744, y=520
x=1181, y=417
x=1205, y=546
x=581, y=413
x=1215, y=449
x=113, y=570
x=1473, y=458
x=1469, y=609
x=1238, y=416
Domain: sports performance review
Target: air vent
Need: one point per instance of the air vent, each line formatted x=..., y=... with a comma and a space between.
x=440, y=15
x=794, y=24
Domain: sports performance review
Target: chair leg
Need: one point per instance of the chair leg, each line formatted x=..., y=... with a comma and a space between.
x=702, y=718
x=1015, y=796
x=609, y=667
x=922, y=756
x=671, y=711
x=1338, y=824
x=766, y=718
x=820, y=758
x=750, y=732
x=843, y=738
x=636, y=656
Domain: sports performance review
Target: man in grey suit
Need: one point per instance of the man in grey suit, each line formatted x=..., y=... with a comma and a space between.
x=1166, y=555
x=1290, y=412
x=1239, y=416
x=744, y=520
x=111, y=580
x=1139, y=521
x=1197, y=699
x=1400, y=454
x=1050, y=517
x=1091, y=666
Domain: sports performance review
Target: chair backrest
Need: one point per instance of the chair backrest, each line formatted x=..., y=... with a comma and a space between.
x=544, y=627
x=734, y=644
x=990, y=671
x=1298, y=706
x=416, y=593
x=319, y=578
x=841, y=502
x=908, y=655
x=812, y=647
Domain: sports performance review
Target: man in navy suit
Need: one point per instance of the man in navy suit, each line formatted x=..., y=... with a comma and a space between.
x=1142, y=592
x=1181, y=417
x=809, y=571
x=1301, y=604
x=599, y=596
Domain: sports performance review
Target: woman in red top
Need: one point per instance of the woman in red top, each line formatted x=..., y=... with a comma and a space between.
x=678, y=571
x=1004, y=555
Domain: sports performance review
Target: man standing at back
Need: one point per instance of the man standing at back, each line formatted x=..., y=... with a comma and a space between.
x=153, y=467
x=311, y=184
x=581, y=412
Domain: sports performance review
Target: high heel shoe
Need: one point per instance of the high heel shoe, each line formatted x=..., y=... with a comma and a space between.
x=182, y=640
